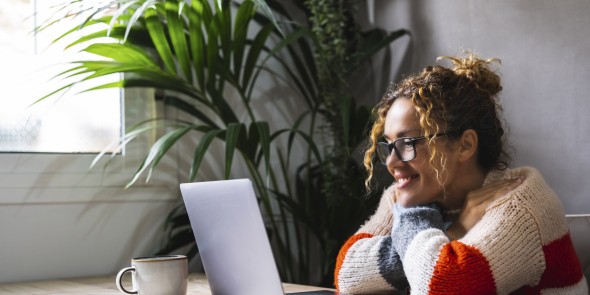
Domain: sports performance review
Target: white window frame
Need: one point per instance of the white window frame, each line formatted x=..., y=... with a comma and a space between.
x=53, y=178
x=35, y=178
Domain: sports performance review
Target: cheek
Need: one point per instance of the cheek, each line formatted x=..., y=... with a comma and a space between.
x=429, y=178
x=428, y=175
x=434, y=170
x=390, y=168
x=422, y=164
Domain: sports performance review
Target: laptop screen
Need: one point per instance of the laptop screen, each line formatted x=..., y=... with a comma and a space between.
x=231, y=237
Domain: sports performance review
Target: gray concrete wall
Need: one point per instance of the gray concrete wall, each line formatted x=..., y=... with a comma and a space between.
x=544, y=48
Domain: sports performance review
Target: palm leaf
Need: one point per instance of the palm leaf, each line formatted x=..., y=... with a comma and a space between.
x=97, y=9
x=120, y=53
x=263, y=132
x=213, y=28
x=224, y=19
x=254, y=52
x=77, y=28
x=303, y=75
x=189, y=109
x=197, y=43
x=141, y=12
x=120, y=11
x=156, y=31
x=178, y=37
x=375, y=40
x=157, y=151
x=263, y=6
x=310, y=142
x=231, y=141
x=145, y=126
x=201, y=150
x=242, y=22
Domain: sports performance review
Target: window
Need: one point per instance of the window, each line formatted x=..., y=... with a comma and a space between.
x=72, y=123
x=42, y=166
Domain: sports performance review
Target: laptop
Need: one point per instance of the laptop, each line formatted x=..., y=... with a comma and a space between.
x=232, y=239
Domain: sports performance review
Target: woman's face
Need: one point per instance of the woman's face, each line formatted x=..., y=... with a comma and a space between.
x=416, y=180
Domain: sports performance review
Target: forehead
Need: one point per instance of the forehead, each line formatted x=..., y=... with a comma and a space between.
x=401, y=120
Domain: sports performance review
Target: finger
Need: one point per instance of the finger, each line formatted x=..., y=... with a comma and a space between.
x=509, y=187
x=503, y=191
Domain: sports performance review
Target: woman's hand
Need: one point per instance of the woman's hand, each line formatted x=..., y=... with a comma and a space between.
x=476, y=203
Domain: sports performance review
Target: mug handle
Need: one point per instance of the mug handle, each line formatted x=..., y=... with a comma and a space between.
x=120, y=276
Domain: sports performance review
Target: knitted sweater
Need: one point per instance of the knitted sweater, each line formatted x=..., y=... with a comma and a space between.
x=522, y=245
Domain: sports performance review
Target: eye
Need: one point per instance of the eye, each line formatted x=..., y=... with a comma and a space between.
x=404, y=144
x=408, y=143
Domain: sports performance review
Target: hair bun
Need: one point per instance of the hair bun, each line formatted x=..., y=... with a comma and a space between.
x=477, y=70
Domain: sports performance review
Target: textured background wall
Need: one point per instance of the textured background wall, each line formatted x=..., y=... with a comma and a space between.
x=545, y=68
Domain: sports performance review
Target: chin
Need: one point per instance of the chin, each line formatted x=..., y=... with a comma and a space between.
x=408, y=200
x=412, y=198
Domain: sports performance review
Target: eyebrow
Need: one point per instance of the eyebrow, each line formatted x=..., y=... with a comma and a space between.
x=403, y=133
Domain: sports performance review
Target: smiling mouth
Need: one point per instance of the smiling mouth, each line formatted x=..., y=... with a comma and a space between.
x=401, y=182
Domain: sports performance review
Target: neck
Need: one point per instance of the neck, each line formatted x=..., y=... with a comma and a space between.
x=470, y=180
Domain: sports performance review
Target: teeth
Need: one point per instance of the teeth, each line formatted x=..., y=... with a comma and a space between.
x=404, y=180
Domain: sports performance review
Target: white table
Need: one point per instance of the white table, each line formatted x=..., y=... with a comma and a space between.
x=197, y=285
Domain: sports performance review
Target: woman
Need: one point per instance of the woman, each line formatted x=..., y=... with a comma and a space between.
x=456, y=220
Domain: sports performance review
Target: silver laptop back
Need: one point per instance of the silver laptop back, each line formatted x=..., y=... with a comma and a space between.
x=231, y=237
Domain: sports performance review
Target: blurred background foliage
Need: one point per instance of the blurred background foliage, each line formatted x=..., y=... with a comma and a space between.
x=205, y=59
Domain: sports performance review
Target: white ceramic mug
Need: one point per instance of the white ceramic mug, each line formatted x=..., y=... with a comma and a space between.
x=156, y=275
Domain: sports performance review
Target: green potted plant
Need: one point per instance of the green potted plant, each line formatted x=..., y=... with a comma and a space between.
x=195, y=52
x=328, y=198
x=192, y=52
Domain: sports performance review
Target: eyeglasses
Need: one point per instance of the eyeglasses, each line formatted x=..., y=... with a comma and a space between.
x=404, y=147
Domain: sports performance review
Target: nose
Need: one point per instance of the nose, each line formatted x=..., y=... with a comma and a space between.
x=393, y=161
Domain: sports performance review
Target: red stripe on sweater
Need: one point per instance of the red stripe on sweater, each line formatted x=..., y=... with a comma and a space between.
x=461, y=269
x=563, y=268
x=344, y=250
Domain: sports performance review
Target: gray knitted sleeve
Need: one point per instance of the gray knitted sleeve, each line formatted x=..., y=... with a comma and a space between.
x=408, y=222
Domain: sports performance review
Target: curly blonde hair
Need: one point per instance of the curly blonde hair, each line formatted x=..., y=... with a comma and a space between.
x=450, y=100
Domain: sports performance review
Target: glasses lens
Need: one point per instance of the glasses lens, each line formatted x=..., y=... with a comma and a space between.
x=405, y=148
x=383, y=152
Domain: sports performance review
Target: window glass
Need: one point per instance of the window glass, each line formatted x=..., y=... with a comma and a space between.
x=70, y=123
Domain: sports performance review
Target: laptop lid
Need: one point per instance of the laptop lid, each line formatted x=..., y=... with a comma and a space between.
x=231, y=237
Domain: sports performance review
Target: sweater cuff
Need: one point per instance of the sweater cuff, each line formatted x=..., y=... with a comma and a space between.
x=408, y=222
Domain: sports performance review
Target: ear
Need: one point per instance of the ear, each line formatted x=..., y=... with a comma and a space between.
x=467, y=145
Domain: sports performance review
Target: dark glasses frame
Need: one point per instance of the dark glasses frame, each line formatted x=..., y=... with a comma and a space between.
x=408, y=141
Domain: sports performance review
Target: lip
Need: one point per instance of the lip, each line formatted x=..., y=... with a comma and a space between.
x=404, y=180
